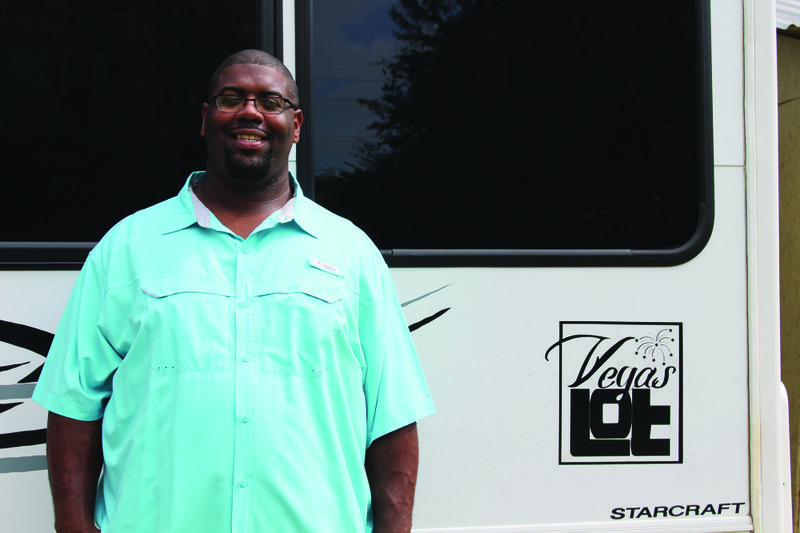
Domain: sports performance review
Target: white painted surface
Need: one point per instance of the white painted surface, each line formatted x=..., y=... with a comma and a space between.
x=490, y=454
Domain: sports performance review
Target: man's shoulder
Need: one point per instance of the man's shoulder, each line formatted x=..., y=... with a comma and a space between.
x=328, y=225
x=339, y=233
x=141, y=226
x=325, y=217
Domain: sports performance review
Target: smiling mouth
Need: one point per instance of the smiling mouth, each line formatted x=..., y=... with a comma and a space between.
x=249, y=138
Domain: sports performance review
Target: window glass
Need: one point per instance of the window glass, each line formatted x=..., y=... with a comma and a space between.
x=486, y=124
x=101, y=106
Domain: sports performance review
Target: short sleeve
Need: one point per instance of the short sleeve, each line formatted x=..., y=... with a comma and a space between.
x=76, y=379
x=396, y=391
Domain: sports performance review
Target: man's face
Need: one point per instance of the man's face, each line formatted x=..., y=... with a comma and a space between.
x=249, y=148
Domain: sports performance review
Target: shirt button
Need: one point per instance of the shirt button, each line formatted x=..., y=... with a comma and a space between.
x=243, y=483
x=246, y=419
x=245, y=358
x=245, y=250
x=245, y=304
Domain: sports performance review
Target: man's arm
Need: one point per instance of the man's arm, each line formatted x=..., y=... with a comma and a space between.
x=74, y=461
x=391, y=465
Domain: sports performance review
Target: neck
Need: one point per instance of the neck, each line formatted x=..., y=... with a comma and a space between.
x=242, y=209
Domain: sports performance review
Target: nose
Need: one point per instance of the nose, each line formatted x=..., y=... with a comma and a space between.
x=250, y=110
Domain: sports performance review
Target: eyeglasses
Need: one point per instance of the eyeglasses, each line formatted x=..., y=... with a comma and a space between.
x=271, y=105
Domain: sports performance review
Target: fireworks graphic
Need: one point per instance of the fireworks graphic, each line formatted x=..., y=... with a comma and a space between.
x=657, y=346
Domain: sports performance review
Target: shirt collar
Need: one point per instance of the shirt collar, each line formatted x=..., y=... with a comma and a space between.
x=189, y=210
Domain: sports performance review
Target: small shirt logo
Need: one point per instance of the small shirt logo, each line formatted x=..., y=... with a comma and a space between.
x=316, y=263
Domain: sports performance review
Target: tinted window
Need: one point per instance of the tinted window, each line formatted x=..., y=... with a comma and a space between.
x=485, y=124
x=101, y=106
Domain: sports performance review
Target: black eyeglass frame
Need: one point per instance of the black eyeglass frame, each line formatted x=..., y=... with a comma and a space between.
x=286, y=102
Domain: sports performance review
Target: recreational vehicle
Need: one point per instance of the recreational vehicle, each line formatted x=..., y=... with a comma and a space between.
x=578, y=202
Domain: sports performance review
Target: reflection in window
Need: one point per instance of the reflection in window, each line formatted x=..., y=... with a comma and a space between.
x=509, y=124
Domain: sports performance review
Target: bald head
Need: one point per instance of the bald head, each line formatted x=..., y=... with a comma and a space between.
x=255, y=57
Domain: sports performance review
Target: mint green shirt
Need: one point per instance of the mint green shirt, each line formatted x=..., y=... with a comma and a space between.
x=240, y=381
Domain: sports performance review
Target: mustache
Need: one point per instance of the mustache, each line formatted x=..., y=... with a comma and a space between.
x=249, y=126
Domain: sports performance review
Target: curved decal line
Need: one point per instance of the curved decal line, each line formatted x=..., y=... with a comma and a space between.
x=16, y=391
x=29, y=338
x=7, y=406
x=424, y=295
x=431, y=318
x=11, y=367
x=23, y=438
x=427, y=320
x=38, y=342
x=30, y=463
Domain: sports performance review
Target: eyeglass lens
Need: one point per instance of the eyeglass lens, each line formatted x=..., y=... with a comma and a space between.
x=233, y=104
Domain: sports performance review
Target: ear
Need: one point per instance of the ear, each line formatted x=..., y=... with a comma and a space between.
x=298, y=121
x=204, y=112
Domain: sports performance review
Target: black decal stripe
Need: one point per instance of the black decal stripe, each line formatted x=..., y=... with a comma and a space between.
x=6, y=406
x=27, y=337
x=427, y=320
x=11, y=367
x=23, y=438
x=33, y=377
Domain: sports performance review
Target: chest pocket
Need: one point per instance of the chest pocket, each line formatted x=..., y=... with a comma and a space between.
x=187, y=324
x=302, y=322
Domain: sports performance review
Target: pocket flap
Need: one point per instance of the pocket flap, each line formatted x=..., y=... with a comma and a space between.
x=326, y=290
x=163, y=287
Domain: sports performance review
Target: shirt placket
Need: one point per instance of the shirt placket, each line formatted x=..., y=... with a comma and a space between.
x=244, y=389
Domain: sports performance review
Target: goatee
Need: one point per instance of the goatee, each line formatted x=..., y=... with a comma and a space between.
x=248, y=170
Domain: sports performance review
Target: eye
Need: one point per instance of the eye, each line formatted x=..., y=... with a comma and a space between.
x=229, y=102
x=270, y=104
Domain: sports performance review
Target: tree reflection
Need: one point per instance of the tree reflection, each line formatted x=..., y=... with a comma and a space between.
x=520, y=124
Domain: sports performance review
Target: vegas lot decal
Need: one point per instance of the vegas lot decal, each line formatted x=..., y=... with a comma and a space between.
x=620, y=392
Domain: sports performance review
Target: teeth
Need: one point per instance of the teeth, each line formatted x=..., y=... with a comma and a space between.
x=244, y=137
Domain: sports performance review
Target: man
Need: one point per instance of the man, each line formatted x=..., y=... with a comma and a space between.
x=234, y=359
